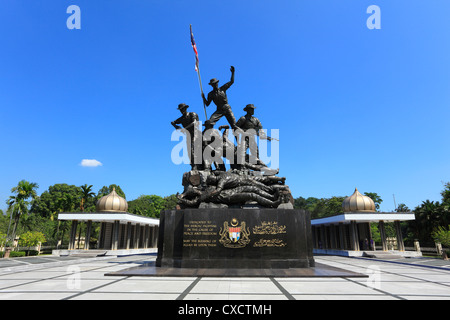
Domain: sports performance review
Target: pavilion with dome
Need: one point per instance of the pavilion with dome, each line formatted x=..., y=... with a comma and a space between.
x=121, y=233
x=349, y=234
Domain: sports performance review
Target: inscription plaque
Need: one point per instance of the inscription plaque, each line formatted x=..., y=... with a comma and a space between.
x=200, y=233
x=235, y=238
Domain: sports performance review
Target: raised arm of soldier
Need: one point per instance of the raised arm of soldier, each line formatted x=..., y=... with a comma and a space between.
x=215, y=85
x=229, y=83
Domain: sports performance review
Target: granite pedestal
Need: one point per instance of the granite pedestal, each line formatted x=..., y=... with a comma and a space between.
x=235, y=239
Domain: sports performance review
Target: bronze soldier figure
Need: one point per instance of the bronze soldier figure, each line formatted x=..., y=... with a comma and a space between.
x=251, y=126
x=219, y=96
x=249, y=122
x=212, y=148
x=238, y=195
x=230, y=179
x=189, y=121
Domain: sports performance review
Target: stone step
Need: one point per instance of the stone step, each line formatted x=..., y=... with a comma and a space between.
x=88, y=253
x=381, y=255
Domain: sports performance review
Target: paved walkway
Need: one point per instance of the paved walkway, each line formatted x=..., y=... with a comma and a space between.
x=70, y=278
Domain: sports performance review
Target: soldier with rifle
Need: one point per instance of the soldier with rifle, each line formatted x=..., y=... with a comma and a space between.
x=189, y=121
x=251, y=127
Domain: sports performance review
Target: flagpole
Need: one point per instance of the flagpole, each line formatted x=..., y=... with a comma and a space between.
x=201, y=90
x=198, y=69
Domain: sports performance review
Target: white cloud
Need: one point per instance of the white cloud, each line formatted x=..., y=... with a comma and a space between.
x=90, y=163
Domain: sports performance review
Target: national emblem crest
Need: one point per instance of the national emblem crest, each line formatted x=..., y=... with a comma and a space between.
x=234, y=236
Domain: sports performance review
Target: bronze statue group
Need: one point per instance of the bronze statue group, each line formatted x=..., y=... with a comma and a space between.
x=249, y=182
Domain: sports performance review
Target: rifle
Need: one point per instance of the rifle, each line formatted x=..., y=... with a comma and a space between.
x=262, y=135
x=266, y=137
x=269, y=138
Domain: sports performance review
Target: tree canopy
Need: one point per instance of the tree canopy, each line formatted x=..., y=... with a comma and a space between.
x=151, y=205
x=18, y=203
x=58, y=198
x=104, y=191
x=320, y=208
x=431, y=216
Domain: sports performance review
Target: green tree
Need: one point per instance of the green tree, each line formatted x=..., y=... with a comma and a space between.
x=170, y=202
x=85, y=194
x=429, y=216
x=376, y=199
x=320, y=208
x=18, y=204
x=2, y=239
x=104, y=191
x=31, y=239
x=376, y=236
x=402, y=208
x=442, y=235
x=147, y=205
x=4, y=222
x=334, y=206
x=446, y=194
x=306, y=204
x=300, y=203
x=58, y=198
x=39, y=224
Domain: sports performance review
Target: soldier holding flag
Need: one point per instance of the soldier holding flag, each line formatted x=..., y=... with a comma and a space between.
x=219, y=96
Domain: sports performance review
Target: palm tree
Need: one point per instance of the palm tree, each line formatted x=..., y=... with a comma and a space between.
x=18, y=204
x=402, y=208
x=428, y=217
x=85, y=194
x=64, y=203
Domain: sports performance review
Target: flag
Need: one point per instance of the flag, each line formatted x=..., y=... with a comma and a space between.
x=194, y=46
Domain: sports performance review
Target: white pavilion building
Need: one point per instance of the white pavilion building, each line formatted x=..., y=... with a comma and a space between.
x=349, y=234
x=121, y=233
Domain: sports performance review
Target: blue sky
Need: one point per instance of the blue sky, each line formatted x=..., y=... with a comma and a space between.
x=354, y=107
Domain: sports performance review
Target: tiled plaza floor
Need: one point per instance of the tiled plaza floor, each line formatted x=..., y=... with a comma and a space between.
x=85, y=279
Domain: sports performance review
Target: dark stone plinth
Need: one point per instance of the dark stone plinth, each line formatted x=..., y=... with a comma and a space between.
x=235, y=239
x=319, y=270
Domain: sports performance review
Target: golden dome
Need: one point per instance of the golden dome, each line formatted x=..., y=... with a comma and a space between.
x=112, y=203
x=358, y=203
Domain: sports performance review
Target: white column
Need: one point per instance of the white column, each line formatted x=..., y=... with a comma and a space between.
x=115, y=237
x=73, y=234
x=383, y=235
x=137, y=236
x=87, y=238
x=400, y=244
